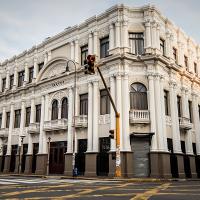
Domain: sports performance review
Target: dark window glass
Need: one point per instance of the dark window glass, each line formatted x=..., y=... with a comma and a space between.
x=170, y=145
x=40, y=66
x=195, y=68
x=138, y=97
x=28, y=114
x=104, y=102
x=17, y=118
x=7, y=119
x=104, y=47
x=0, y=119
x=194, y=148
x=104, y=144
x=186, y=62
x=84, y=53
x=64, y=110
x=166, y=99
x=183, y=146
x=190, y=110
x=162, y=46
x=54, y=112
x=38, y=113
x=31, y=71
x=20, y=78
x=83, y=104
x=179, y=105
x=136, y=41
x=11, y=81
x=3, y=84
x=175, y=54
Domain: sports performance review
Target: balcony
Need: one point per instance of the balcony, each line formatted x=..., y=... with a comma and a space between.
x=3, y=132
x=139, y=116
x=81, y=121
x=33, y=128
x=104, y=119
x=54, y=125
x=185, y=123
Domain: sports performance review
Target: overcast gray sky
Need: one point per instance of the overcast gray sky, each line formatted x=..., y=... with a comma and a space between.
x=24, y=23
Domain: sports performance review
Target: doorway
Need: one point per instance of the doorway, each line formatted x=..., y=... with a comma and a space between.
x=13, y=157
x=34, y=158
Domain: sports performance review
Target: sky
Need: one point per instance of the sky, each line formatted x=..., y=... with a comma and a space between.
x=24, y=23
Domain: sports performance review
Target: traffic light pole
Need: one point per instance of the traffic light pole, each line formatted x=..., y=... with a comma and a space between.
x=117, y=116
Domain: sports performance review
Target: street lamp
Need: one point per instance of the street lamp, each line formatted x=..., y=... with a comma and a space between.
x=49, y=143
x=74, y=118
x=21, y=153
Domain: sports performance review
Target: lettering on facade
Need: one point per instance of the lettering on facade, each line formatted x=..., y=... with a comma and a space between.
x=58, y=83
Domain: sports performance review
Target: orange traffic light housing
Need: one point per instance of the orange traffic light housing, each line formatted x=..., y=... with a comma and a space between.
x=112, y=134
x=89, y=64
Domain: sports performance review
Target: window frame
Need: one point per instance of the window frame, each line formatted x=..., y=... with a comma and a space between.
x=3, y=84
x=83, y=104
x=84, y=53
x=64, y=110
x=54, y=110
x=38, y=113
x=17, y=118
x=11, y=81
x=136, y=41
x=104, y=47
x=162, y=46
x=28, y=116
x=104, y=98
x=31, y=74
x=21, y=75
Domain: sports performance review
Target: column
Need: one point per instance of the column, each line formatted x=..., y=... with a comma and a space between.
x=15, y=78
x=0, y=83
x=147, y=34
x=45, y=58
x=154, y=145
x=90, y=118
x=4, y=118
x=117, y=34
x=22, y=121
x=76, y=51
x=111, y=37
x=95, y=116
x=126, y=108
x=26, y=76
x=180, y=54
x=70, y=121
x=112, y=112
x=158, y=37
x=195, y=114
x=154, y=34
x=95, y=43
x=49, y=55
x=35, y=68
x=125, y=34
x=7, y=80
x=168, y=45
x=90, y=44
x=174, y=119
x=72, y=50
x=159, y=124
x=10, y=129
x=47, y=108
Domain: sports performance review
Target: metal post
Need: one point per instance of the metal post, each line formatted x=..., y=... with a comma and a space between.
x=48, y=156
x=20, y=154
x=117, y=115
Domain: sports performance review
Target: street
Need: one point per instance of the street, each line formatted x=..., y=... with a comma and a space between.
x=56, y=188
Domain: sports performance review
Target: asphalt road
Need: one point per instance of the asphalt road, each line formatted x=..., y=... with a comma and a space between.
x=55, y=188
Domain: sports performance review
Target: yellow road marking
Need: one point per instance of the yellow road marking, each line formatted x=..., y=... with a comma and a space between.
x=146, y=195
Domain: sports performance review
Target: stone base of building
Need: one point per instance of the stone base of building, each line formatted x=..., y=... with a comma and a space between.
x=7, y=164
x=1, y=158
x=193, y=166
x=68, y=171
x=197, y=162
x=180, y=161
x=160, y=165
x=41, y=166
x=28, y=164
x=127, y=168
x=91, y=164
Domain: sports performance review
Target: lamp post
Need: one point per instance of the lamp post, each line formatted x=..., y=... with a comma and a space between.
x=21, y=153
x=74, y=118
x=48, y=157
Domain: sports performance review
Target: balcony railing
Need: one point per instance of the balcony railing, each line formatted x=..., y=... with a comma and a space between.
x=81, y=121
x=185, y=123
x=58, y=124
x=104, y=119
x=139, y=116
x=33, y=128
x=3, y=132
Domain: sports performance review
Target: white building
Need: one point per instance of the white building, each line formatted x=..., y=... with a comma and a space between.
x=153, y=71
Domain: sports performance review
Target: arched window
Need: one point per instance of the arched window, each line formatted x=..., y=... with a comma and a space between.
x=138, y=97
x=64, y=111
x=54, y=113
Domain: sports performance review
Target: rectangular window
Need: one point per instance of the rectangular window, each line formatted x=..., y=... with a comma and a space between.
x=190, y=110
x=175, y=54
x=194, y=148
x=179, y=105
x=166, y=99
x=38, y=113
x=31, y=71
x=83, y=104
x=186, y=63
x=0, y=120
x=104, y=47
x=162, y=46
x=17, y=118
x=104, y=102
x=28, y=114
x=20, y=78
x=7, y=119
x=40, y=66
x=11, y=81
x=195, y=68
x=170, y=145
x=183, y=146
x=136, y=41
x=84, y=54
x=3, y=84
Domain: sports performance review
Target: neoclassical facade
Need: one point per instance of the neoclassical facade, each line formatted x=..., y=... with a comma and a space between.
x=152, y=69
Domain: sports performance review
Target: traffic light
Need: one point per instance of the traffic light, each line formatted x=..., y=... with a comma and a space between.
x=112, y=134
x=89, y=64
